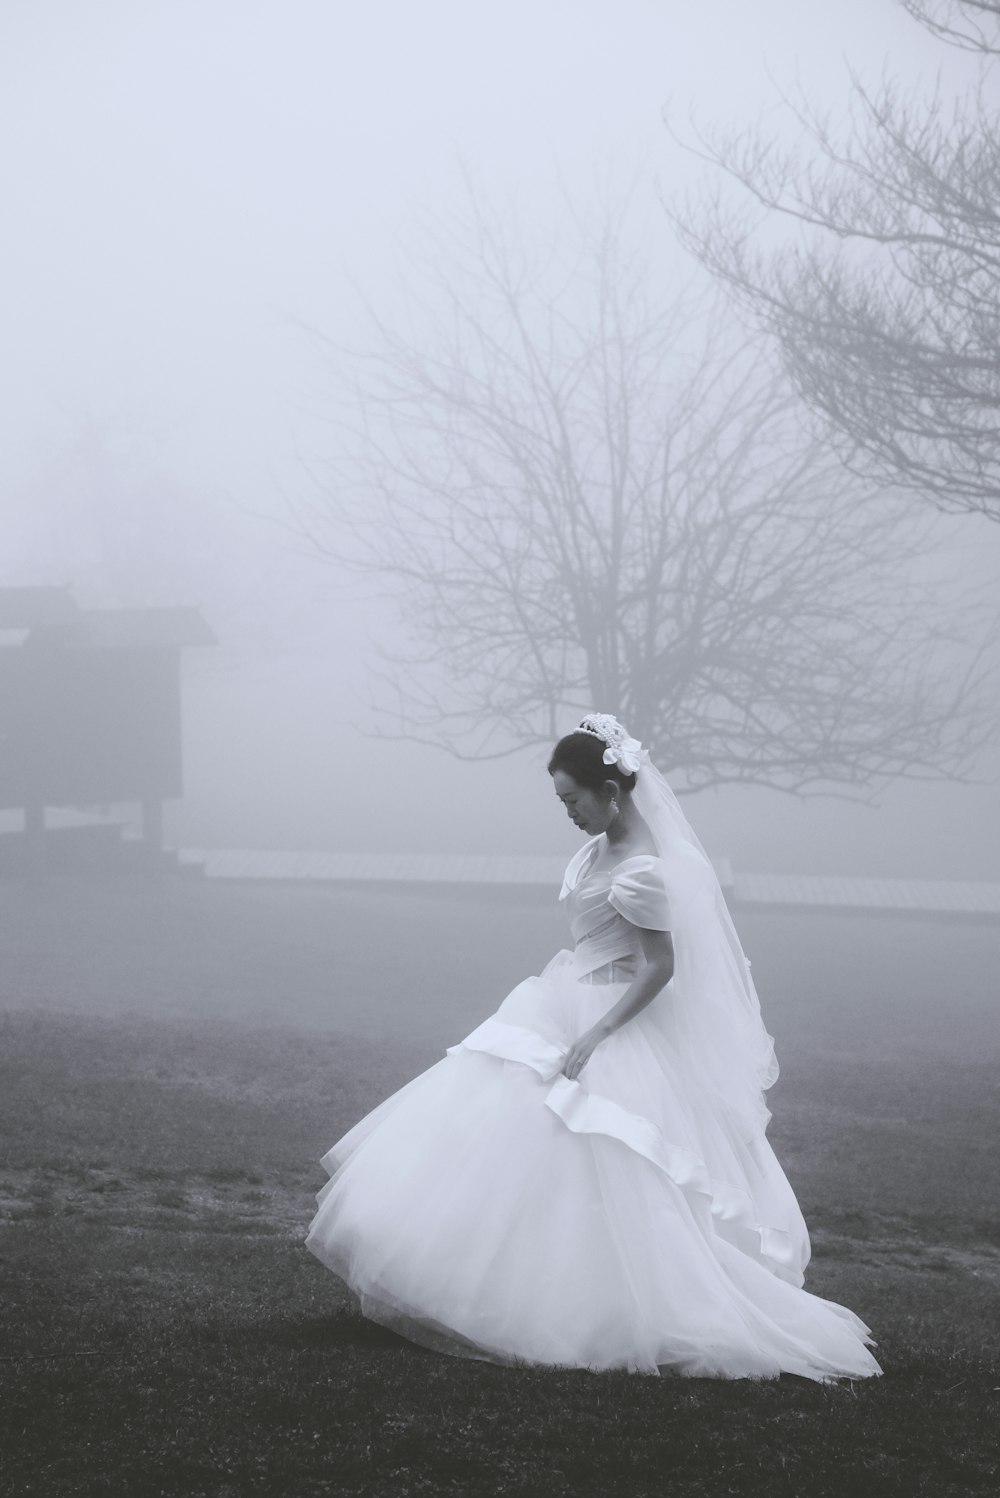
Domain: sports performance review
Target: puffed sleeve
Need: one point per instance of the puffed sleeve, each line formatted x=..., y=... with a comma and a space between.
x=639, y=893
x=575, y=866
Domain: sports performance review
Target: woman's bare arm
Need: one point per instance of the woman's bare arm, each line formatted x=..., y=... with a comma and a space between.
x=652, y=978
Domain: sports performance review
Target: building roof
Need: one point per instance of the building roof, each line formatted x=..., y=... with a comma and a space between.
x=29, y=608
x=52, y=614
x=132, y=629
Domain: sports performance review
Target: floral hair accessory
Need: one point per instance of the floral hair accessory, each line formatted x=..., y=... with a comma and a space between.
x=625, y=752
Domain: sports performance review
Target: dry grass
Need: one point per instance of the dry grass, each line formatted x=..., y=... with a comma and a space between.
x=165, y=1333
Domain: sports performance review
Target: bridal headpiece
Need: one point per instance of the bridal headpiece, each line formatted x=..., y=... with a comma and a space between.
x=625, y=752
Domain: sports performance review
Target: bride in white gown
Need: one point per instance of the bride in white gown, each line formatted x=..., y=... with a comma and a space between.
x=585, y=1181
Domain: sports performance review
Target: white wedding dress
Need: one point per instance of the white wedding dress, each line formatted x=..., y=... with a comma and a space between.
x=494, y=1209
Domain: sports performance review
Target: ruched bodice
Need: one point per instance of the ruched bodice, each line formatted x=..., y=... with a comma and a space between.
x=608, y=906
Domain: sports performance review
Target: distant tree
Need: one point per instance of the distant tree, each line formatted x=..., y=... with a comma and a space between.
x=580, y=493
x=973, y=25
x=102, y=515
x=885, y=303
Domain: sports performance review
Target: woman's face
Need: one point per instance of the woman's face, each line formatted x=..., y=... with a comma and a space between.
x=590, y=810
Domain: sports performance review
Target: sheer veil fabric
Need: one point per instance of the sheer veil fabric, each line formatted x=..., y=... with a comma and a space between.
x=635, y=1218
x=714, y=1017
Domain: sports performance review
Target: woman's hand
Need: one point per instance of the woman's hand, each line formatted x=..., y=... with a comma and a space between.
x=580, y=1053
x=656, y=972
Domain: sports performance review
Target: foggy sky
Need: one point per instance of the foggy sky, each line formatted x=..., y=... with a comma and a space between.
x=185, y=183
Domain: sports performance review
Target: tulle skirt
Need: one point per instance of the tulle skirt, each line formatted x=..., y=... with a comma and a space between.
x=493, y=1209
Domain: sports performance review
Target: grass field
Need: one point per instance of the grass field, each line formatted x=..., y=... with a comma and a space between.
x=174, y=1061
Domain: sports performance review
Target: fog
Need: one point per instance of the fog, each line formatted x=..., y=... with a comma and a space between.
x=243, y=340
x=190, y=191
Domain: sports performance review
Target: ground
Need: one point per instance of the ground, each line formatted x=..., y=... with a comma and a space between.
x=176, y=1057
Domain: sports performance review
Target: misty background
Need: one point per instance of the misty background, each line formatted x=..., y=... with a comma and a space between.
x=262, y=271
x=201, y=203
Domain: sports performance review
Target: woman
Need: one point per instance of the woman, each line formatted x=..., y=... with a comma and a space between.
x=584, y=1181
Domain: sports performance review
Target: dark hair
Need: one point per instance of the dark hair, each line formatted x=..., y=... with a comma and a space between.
x=582, y=756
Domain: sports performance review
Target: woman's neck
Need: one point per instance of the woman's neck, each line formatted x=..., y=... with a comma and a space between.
x=626, y=825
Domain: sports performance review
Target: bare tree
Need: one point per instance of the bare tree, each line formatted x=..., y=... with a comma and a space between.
x=973, y=25
x=582, y=494
x=885, y=303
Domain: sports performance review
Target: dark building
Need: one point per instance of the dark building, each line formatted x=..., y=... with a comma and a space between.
x=90, y=709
